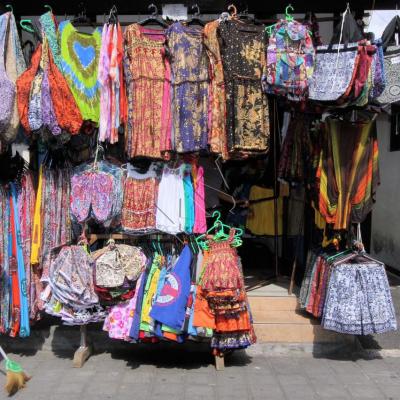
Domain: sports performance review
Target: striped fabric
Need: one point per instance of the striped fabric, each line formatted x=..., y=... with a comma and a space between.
x=348, y=172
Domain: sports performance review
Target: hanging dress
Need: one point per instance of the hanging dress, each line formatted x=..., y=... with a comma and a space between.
x=148, y=86
x=243, y=57
x=190, y=85
x=217, y=100
x=80, y=60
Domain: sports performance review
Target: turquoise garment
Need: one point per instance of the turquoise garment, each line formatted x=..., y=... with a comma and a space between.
x=189, y=200
x=5, y=281
x=24, y=330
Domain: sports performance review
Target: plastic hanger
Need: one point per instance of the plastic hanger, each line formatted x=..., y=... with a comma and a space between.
x=154, y=18
x=288, y=18
x=10, y=8
x=113, y=15
x=48, y=8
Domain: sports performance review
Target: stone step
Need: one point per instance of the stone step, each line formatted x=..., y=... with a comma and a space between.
x=297, y=333
x=288, y=303
x=282, y=317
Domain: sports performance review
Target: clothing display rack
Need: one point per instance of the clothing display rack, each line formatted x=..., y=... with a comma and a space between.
x=110, y=222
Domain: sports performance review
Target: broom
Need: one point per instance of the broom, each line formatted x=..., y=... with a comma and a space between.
x=16, y=377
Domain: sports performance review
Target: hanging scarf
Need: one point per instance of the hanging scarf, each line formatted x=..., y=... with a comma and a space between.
x=24, y=329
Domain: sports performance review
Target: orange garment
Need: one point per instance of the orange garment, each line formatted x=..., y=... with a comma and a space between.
x=217, y=100
x=203, y=317
x=242, y=323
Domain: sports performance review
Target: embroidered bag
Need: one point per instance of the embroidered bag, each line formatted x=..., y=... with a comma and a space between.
x=290, y=60
x=333, y=72
x=14, y=65
x=391, y=94
x=7, y=87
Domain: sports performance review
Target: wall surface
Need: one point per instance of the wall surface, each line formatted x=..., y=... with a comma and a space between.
x=385, y=240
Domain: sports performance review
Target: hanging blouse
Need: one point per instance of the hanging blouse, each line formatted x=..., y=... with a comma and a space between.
x=80, y=59
x=148, y=88
x=243, y=57
x=217, y=100
x=189, y=76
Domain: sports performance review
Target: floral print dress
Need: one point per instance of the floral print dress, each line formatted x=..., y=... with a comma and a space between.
x=190, y=85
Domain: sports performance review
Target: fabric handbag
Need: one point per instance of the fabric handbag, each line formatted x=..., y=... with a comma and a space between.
x=7, y=87
x=333, y=72
x=391, y=94
x=290, y=60
x=14, y=65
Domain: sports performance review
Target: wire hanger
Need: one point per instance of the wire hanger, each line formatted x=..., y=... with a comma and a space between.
x=195, y=20
x=113, y=15
x=154, y=19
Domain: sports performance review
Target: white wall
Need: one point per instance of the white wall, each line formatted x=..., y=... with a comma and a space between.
x=385, y=240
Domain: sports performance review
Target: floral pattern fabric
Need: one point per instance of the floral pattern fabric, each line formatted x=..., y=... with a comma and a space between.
x=243, y=58
x=190, y=85
x=148, y=87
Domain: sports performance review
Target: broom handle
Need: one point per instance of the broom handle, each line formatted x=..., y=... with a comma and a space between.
x=3, y=353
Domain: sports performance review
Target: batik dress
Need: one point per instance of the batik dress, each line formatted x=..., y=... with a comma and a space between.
x=243, y=58
x=148, y=86
x=190, y=85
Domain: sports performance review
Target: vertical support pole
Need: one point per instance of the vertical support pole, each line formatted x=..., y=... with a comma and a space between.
x=84, y=351
x=275, y=139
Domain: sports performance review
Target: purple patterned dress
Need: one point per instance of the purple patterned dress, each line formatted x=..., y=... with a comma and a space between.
x=190, y=84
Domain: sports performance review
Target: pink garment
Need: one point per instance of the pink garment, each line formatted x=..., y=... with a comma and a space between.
x=200, y=224
x=92, y=191
x=104, y=80
x=119, y=320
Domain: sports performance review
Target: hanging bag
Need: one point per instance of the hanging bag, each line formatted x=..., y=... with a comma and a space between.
x=336, y=64
x=14, y=65
x=391, y=94
x=290, y=60
x=7, y=87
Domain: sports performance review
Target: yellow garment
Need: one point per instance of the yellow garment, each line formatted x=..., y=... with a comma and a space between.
x=37, y=223
x=319, y=220
x=260, y=220
x=146, y=321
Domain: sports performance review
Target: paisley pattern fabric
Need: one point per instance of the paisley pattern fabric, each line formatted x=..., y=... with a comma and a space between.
x=391, y=94
x=148, y=88
x=217, y=99
x=358, y=300
x=333, y=72
x=243, y=58
x=7, y=86
x=49, y=27
x=139, y=207
x=15, y=66
x=80, y=59
x=189, y=76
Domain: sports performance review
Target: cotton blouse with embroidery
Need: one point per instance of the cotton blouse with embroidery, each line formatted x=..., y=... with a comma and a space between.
x=80, y=60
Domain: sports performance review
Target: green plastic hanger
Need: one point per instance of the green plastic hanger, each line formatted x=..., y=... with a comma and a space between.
x=338, y=255
x=288, y=18
x=10, y=8
x=26, y=25
x=49, y=8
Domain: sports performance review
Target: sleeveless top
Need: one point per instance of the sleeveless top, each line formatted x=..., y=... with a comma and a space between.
x=80, y=59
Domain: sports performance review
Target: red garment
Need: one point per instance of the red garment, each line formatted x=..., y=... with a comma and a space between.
x=15, y=300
